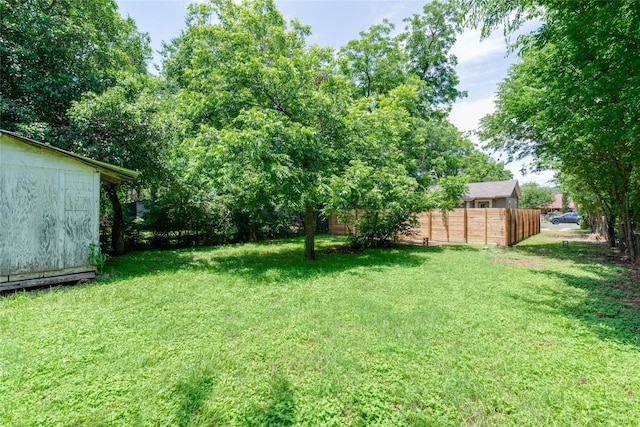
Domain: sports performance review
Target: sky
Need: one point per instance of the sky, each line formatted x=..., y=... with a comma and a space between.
x=482, y=64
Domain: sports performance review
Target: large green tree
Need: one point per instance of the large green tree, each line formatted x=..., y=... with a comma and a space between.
x=122, y=126
x=261, y=106
x=572, y=100
x=52, y=52
x=273, y=124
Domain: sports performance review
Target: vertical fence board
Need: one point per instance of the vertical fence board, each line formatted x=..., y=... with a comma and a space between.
x=476, y=226
x=439, y=226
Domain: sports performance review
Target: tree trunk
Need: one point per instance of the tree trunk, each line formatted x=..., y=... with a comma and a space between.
x=635, y=236
x=254, y=217
x=628, y=228
x=117, y=230
x=309, y=241
x=253, y=230
x=611, y=232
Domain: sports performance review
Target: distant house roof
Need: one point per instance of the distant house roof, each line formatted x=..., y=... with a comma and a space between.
x=109, y=173
x=492, y=190
x=557, y=203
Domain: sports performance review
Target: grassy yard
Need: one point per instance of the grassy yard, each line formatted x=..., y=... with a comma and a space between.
x=254, y=335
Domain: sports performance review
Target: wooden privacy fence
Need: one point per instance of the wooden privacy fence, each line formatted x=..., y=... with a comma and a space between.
x=493, y=226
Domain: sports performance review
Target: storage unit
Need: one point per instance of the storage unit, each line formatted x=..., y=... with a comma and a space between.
x=49, y=211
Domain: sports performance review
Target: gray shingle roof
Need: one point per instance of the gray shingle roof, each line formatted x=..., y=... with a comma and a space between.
x=491, y=190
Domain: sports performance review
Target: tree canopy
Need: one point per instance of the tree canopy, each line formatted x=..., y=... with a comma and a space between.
x=273, y=123
x=572, y=99
x=249, y=127
x=53, y=52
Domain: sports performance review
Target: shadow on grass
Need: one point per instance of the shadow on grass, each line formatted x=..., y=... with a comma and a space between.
x=267, y=262
x=573, y=246
x=610, y=307
x=279, y=407
x=609, y=312
x=192, y=394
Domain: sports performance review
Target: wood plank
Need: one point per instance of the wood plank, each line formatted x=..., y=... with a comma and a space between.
x=73, y=270
x=496, y=230
x=78, y=224
x=67, y=278
x=506, y=227
x=50, y=273
x=456, y=226
x=465, y=226
x=485, y=225
x=439, y=227
x=475, y=226
x=25, y=276
x=31, y=198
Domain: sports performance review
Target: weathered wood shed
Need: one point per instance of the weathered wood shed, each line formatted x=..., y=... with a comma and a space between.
x=49, y=211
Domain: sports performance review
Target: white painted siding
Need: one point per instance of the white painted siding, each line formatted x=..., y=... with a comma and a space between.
x=49, y=211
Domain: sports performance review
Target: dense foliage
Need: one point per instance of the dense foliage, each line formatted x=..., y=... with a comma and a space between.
x=572, y=102
x=53, y=52
x=535, y=196
x=74, y=75
x=271, y=124
x=249, y=132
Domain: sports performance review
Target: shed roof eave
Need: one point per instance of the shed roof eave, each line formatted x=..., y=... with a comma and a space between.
x=108, y=173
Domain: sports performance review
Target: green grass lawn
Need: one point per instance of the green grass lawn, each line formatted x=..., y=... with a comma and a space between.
x=254, y=335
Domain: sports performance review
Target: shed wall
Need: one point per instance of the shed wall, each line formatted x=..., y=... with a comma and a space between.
x=49, y=212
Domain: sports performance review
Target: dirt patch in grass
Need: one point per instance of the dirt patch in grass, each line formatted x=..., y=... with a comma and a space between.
x=342, y=249
x=523, y=262
x=579, y=237
x=631, y=287
x=547, y=343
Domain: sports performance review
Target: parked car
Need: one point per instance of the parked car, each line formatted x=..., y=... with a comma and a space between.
x=570, y=217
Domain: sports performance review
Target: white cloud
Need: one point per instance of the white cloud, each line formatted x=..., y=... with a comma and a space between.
x=466, y=115
x=470, y=49
x=543, y=178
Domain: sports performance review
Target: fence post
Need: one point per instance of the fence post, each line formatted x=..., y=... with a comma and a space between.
x=506, y=226
x=465, y=226
x=538, y=221
x=486, y=224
